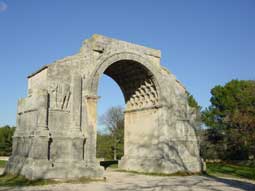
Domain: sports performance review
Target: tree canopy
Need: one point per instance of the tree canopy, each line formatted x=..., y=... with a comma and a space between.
x=231, y=119
x=192, y=102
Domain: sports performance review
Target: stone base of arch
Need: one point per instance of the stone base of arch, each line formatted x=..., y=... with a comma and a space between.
x=36, y=163
x=159, y=165
x=43, y=169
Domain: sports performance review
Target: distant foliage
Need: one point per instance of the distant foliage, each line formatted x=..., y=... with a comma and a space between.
x=104, y=146
x=6, y=133
x=231, y=121
x=110, y=144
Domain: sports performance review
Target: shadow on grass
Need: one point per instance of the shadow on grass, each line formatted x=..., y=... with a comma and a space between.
x=231, y=169
x=233, y=182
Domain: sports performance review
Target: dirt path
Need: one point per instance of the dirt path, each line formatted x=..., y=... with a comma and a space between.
x=117, y=181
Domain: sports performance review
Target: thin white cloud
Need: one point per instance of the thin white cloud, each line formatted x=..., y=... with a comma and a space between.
x=3, y=6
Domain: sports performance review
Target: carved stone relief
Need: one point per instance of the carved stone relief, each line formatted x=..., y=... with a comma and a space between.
x=59, y=96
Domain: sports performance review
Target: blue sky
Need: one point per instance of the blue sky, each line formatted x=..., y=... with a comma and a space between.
x=204, y=43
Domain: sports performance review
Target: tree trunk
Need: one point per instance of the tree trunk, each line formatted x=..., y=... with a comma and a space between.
x=115, y=150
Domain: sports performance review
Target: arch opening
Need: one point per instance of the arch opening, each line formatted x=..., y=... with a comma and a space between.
x=110, y=123
x=141, y=98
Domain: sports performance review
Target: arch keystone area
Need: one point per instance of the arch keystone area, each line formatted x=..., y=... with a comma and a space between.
x=56, y=123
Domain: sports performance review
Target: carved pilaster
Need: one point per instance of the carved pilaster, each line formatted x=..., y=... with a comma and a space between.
x=42, y=112
x=91, y=106
x=76, y=103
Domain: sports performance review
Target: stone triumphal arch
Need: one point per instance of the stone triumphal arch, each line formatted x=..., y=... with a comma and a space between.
x=56, y=122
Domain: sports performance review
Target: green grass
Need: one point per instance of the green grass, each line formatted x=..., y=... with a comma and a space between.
x=2, y=163
x=113, y=166
x=12, y=180
x=219, y=169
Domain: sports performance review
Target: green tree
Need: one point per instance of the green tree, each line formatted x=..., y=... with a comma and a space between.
x=104, y=146
x=6, y=133
x=192, y=102
x=200, y=131
x=197, y=108
x=112, y=141
x=232, y=116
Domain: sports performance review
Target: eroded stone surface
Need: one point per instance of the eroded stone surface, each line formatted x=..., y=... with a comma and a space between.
x=56, y=122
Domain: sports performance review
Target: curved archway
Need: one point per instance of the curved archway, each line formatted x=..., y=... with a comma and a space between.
x=141, y=92
x=106, y=62
x=136, y=82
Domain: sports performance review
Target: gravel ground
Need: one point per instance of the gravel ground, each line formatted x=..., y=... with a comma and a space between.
x=117, y=181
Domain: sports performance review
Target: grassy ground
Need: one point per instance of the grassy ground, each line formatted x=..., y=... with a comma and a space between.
x=11, y=180
x=223, y=169
x=2, y=163
x=114, y=166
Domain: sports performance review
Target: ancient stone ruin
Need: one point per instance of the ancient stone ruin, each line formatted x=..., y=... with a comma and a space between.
x=56, y=122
